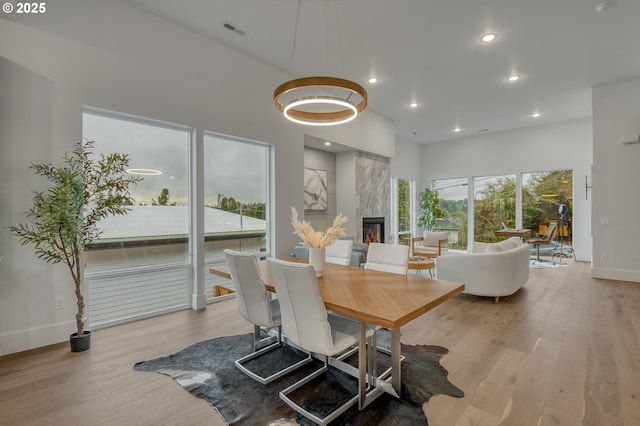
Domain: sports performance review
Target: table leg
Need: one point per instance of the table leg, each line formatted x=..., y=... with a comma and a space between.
x=396, y=367
x=362, y=366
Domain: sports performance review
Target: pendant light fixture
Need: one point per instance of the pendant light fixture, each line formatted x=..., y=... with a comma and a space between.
x=319, y=101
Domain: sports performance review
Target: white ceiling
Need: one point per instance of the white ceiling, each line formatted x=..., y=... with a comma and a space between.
x=429, y=51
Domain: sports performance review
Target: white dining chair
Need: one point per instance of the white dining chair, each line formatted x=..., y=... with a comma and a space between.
x=307, y=324
x=339, y=252
x=256, y=306
x=387, y=258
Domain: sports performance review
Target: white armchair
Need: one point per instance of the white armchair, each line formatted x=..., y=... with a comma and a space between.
x=431, y=244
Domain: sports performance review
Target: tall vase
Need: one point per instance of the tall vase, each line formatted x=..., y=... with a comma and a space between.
x=317, y=260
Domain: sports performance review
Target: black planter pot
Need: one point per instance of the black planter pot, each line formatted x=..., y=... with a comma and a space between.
x=80, y=343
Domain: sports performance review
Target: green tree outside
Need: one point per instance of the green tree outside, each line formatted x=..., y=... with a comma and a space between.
x=230, y=204
x=404, y=210
x=163, y=198
x=542, y=195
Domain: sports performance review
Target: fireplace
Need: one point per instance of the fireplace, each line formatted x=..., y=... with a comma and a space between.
x=372, y=230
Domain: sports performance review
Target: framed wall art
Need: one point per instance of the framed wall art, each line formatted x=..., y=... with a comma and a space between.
x=315, y=189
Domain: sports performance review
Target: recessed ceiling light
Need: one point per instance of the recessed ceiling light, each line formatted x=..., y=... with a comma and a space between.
x=487, y=38
x=513, y=78
x=457, y=129
x=327, y=143
x=535, y=115
x=373, y=80
x=413, y=105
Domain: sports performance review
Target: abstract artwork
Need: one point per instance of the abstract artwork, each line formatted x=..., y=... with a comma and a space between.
x=315, y=189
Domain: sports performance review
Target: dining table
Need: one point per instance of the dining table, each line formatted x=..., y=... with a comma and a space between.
x=375, y=298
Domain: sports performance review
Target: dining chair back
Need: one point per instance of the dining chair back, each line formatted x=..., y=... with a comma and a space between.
x=305, y=320
x=339, y=252
x=252, y=298
x=387, y=258
x=256, y=306
x=308, y=324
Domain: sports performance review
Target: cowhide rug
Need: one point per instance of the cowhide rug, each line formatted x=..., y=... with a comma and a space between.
x=206, y=370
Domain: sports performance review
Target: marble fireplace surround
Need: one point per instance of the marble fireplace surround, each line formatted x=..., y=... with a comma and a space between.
x=363, y=189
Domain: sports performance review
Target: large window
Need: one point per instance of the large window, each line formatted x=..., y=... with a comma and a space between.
x=402, y=210
x=530, y=200
x=453, y=200
x=236, y=194
x=494, y=204
x=143, y=263
x=155, y=231
x=140, y=264
x=543, y=196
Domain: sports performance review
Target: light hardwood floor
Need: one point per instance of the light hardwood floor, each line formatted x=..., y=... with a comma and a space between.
x=565, y=350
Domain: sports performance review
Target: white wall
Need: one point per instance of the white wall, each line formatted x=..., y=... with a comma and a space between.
x=406, y=164
x=616, y=181
x=559, y=146
x=113, y=56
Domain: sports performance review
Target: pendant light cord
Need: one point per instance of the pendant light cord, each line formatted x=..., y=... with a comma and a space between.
x=295, y=38
x=335, y=6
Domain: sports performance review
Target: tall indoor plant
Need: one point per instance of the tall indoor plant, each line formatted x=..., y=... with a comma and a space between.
x=64, y=218
x=429, y=209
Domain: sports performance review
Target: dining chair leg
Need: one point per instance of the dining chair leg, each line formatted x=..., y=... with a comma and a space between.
x=261, y=347
x=284, y=395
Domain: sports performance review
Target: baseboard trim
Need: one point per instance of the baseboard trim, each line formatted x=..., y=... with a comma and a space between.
x=616, y=274
x=33, y=352
x=24, y=340
x=582, y=257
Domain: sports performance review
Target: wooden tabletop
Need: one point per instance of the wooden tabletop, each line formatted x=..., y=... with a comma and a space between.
x=381, y=298
x=522, y=233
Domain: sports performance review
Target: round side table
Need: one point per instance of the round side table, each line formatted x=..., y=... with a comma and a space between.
x=421, y=264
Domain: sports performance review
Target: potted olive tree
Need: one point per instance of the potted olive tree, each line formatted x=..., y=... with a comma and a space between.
x=64, y=218
x=429, y=209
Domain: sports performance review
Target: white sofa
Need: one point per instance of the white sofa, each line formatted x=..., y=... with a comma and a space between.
x=493, y=269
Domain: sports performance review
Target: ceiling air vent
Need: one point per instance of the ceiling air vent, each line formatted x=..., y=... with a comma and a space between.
x=231, y=27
